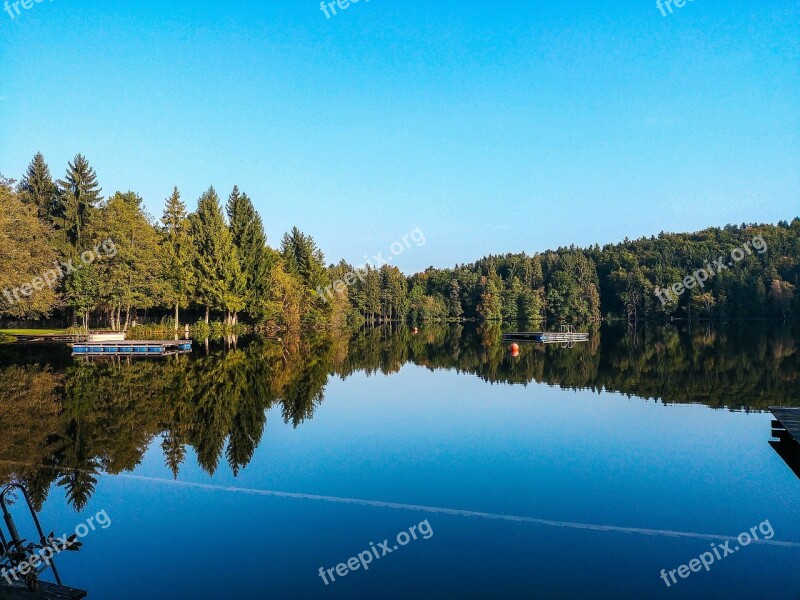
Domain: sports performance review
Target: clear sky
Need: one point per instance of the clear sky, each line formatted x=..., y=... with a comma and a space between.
x=493, y=126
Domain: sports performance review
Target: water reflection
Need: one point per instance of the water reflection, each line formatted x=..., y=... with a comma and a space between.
x=789, y=451
x=67, y=421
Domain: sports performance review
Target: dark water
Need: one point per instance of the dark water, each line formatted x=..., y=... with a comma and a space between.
x=563, y=473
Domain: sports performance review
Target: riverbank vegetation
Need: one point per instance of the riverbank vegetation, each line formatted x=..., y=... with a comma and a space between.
x=216, y=263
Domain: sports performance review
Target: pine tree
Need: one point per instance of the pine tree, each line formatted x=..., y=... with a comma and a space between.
x=247, y=232
x=216, y=261
x=78, y=197
x=179, y=255
x=456, y=310
x=307, y=262
x=394, y=293
x=304, y=259
x=372, y=294
x=37, y=187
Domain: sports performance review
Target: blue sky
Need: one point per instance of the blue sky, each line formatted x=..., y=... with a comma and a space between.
x=492, y=126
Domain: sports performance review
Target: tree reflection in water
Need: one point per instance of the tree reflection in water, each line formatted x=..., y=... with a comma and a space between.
x=70, y=421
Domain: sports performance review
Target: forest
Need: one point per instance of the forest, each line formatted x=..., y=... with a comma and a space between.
x=214, y=263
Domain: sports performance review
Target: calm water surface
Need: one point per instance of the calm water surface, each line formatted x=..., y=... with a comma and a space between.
x=661, y=430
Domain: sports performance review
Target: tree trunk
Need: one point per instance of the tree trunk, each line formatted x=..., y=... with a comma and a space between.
x=177, y=317
x=208, y=313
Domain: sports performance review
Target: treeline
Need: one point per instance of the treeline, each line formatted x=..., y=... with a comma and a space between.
x=216, y=261
x=573, y=284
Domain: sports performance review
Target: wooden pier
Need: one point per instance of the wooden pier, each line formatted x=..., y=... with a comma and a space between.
x=48, y=338
x=131, y=348
x=567, y=335
x=787, y=423
x=786, y=427
x=46, y=591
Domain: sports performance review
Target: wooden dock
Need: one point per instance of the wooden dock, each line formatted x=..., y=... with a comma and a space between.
x=46, y=339
x=547, y=337
x=49, y=338
x=46, y=591
x=786, y=427
x=788, y=422
x=131, y=348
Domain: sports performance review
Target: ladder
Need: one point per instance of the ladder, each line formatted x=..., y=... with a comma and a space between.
x=13, y=550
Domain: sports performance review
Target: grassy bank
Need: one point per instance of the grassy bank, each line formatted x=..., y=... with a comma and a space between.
x=32, y=331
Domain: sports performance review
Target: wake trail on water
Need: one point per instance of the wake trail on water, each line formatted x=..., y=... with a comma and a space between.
x=429, y=509
x=454, y=512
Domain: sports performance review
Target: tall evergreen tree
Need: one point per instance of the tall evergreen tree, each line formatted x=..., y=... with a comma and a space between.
x=78, y=197
x=216, y=260
x=37, y=187
x=179, y=256
x=456, y=310
x=247, y=232
x=304, y=260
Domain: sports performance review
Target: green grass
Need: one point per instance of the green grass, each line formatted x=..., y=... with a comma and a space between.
x=7, y=335
x=32, y=331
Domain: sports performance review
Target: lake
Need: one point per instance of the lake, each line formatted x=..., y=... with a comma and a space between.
x=436, y=464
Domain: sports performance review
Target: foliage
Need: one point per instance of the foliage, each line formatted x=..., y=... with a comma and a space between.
x=25, y=254
x=221, y=284
x=216, y=260
x=178, y=252
x=77, y=198
x=37, y=188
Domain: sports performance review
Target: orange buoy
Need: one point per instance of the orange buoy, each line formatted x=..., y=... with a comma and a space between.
x=514, y=348
x=415, y=331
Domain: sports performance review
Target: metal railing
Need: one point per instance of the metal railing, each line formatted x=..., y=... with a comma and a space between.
x=14, y=550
